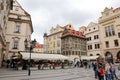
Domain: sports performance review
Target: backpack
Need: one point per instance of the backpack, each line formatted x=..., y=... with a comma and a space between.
x=111, y=69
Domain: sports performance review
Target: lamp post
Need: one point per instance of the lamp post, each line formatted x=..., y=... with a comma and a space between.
x=32, y=45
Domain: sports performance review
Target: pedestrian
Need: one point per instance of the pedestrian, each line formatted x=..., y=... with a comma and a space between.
x=112, y=71
x=85, y=64
x=107, y=72
x=8, y=62
x=101, y=72
x=95, y=69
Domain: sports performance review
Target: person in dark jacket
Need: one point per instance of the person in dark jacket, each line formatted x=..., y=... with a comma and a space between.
x=95, y=68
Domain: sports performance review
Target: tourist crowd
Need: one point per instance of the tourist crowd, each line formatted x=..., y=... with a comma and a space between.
x=104, y=71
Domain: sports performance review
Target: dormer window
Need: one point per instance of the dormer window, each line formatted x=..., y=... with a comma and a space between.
x=69, y=26
x=107, y=14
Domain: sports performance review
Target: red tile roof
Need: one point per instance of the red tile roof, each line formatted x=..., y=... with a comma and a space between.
x=38, y=45
x=117, y=9
x=74, y=33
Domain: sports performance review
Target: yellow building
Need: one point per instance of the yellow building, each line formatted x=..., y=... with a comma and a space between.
x=19, y=28
x=110, y=33
x=52, y=42
x=5, y=6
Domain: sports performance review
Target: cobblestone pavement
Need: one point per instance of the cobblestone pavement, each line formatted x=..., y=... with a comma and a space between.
x=57, y=74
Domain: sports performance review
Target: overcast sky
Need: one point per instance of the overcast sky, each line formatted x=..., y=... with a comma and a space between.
x=48, y=13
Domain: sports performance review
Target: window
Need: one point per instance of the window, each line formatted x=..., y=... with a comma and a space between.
x=15, y=44
x=18, y=17
x=54, y=36
x=107, y=14
x=119, y=34
x=11, y=5
x=58, y=43
x=110, y=31
x=89, y=47
x=17, y=9
x=106, y=31
x=116, y=43
x=91, y=54
x=89, y=39
x=97, y=46
x=17, y=28
x=53, y=44
x=96, y=37
x=2, y=6
x=107, y=44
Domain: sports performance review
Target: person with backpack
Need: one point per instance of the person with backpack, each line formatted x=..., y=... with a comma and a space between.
x=112, y=71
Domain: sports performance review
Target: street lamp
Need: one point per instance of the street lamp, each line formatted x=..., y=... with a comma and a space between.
x=32, y=45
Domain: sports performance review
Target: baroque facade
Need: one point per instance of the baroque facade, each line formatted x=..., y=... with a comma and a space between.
x=110, y=33
x=73, y=44
x=19, y=28
x=52, y=42
x=5, y=6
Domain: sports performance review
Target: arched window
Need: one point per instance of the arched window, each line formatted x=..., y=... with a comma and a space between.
x=98, y=54
x=118, y=55
x=108, y=57
x=91, y=54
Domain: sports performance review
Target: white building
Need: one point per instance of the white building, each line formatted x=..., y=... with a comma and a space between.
x=5, y=6
x=93, y=39
x=19, y=28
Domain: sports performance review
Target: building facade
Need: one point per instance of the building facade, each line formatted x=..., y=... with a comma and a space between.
x=73, y=44
x=93, y=39
x=52, y=42
x=39, y=48
x=5, y=6
x=110, y=33
x=19, y=28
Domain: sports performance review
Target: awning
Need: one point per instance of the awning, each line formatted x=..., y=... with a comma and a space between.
x=89, y=57
x=43, y=56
